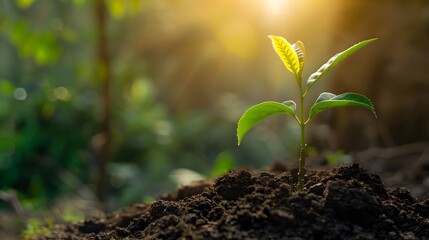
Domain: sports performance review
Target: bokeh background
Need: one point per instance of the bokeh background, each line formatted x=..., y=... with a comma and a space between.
x=104, y=103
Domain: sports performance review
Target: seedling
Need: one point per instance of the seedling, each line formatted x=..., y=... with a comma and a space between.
x=293, y=57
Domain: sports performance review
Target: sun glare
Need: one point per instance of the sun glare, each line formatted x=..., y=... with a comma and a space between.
x=275, y=7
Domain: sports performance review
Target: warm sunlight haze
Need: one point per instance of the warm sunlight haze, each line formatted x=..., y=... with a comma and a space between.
x=107, y=106
x=277, y=7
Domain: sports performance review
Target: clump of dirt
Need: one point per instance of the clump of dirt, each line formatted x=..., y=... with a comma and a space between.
x=345, y=203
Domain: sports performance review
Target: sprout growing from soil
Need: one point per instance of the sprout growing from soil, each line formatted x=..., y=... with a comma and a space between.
x=293, y=57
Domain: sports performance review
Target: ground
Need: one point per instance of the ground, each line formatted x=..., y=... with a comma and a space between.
x=348, y=202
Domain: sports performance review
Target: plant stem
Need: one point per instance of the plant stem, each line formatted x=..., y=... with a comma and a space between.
x=301, y=168
x=302, y=152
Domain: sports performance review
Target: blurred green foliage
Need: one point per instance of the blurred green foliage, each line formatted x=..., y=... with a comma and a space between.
x=169, y=111
x=43, y=47
x=36, y=227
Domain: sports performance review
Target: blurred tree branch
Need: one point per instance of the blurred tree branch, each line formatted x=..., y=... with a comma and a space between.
x=103, y=76
x=11, y=198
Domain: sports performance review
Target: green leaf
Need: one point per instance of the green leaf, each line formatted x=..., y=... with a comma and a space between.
x=223, y=163
x=24, y=4
x=261, y=111
x=334, y=61
x=117, y=8
x=286, y=53
x=328, y=100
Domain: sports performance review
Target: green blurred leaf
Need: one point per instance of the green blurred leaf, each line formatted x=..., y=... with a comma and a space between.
x=37, y=228
x=43, y=47
x=46, y=49
x=261, y=111
x=117, y=8
x=19, y=32
x=325, y=68
x=24, y=4
x=328, y=100
x=224, y=162
x=338, y=157
x=71, y=215
x=6, y=87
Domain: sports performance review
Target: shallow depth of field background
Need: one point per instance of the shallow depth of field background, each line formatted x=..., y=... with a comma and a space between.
x=103, y=107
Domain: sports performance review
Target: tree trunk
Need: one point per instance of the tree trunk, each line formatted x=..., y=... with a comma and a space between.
x=103, y=76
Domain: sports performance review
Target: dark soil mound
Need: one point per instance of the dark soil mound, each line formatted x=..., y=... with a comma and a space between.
x=344, y=203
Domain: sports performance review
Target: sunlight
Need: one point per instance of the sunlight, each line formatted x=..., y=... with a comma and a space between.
x=276, y=7
x=232, y=37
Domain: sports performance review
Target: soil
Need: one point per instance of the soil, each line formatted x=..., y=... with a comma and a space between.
x=348, y=202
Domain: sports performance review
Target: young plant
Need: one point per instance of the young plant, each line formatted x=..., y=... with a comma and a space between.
x=293, y=57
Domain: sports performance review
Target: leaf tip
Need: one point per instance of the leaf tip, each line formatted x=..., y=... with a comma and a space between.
x=273, y=38
x=368, y=41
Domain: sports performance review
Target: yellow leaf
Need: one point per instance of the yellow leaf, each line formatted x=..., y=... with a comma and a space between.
x=286, y=53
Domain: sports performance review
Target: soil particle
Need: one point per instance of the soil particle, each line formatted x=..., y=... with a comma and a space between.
x=353, y=204
x=345, y=203
x=234, y=185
